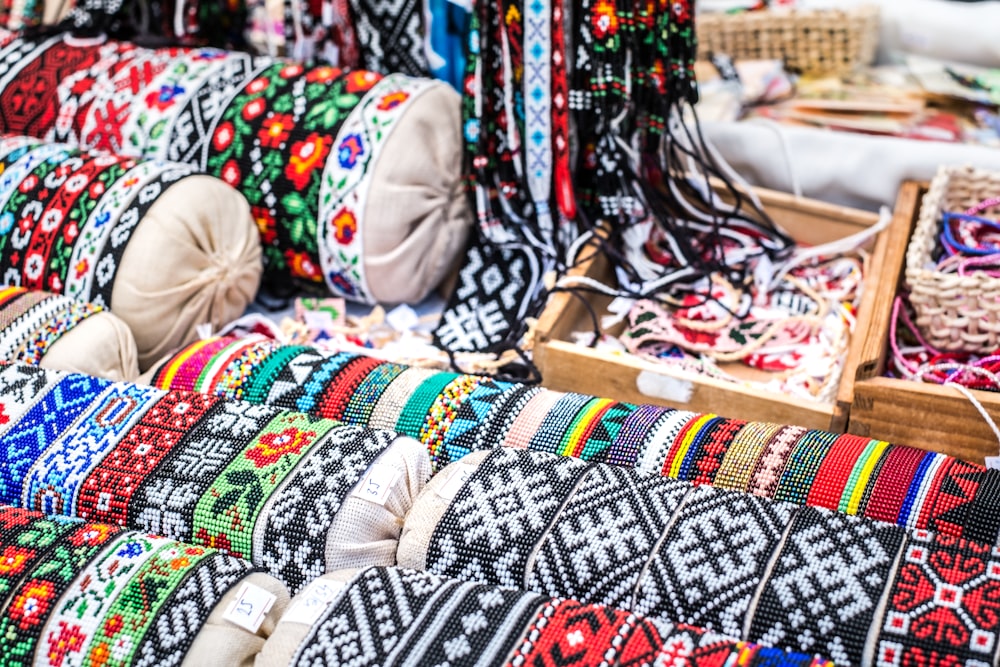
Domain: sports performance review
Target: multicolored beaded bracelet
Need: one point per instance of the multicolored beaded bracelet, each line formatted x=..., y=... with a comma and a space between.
x=390, y=405
x=557, y=422
x=414, y=413
x=338, y=394
x=628, y=442
x=369, y=391
x=443, y=411
x=741, y=458
x=529, y=418
x=803, y=466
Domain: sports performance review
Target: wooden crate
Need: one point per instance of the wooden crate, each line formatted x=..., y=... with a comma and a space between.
x=566, y=366
x=918, y=414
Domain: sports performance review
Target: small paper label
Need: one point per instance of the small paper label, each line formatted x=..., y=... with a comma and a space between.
x=250, y=607
x=657, y=385
x=310, y=604
x=450, y=488
x=403, y=318
x=376, y=484
x=993, y=462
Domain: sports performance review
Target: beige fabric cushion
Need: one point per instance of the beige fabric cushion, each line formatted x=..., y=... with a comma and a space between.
x=417, y=218
x=427, y=511
x=363, y=533
x=194, y=259
x=281, y=646
x=101, y=346
x=221, y=642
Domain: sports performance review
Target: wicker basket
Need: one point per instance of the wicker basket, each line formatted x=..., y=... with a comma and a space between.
x=953, y=312
x=818, y=41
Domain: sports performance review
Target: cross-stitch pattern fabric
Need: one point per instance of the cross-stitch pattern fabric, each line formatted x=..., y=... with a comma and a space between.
x=126, y=235
x=84, y=593
x=456, y=415
x=253, y=481
x=351, y=176
x=392, y=616
x=792, y=577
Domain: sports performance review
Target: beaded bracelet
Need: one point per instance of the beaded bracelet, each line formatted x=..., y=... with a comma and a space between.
x=166, y=499
x=688, y=469
x=340, y=391
x=52, y=415
x=803, y=465
x=601, y=541
x=500, y=616
x=893, y=483
x=289, y=385
x=17, y=302
x=475, y=418
x=130, y=614
x=21, y=388
x=107, y=492
x=953, y=491
x=927, y=572
x=711, y=449
x=366, y=396
x=840, y=566
x=38, y=345
x=414, y=413
x=32, y=603
x=319, y=379
x=602, y=431
x=709, y=564
x=772, y=462
x=495, y=522
x=257, y=386
x=741, y=458
x=25, y=540
x=177, y=373
x=671, y=466
x=831, y=479
x=983, y=523
x=529, y=418
x=661, y=439
x=239, y=372
x=52, y=483
x=854, y=491
x=390, y=405
x=912, y=513
x=290, y=533
x=557, y=422
x=208, y=377
x=26, y=316
x=82, y=609
x=228, y=509
x=504, y=414
x=442, y=413
x=629, y=440
x=582, y=426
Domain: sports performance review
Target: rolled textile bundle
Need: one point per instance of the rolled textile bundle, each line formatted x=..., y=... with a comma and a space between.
x=54, y=331
x=455, y=414
x=860, y=592
x=164, y=248
x=294, y=494
x=83, y=593
x=393, y=616
x=354, y=179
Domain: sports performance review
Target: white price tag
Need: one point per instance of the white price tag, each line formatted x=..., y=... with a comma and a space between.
x=450, y=488
x=250, y=607
x=313, y=601
x=376, y=484
x=993, y=462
